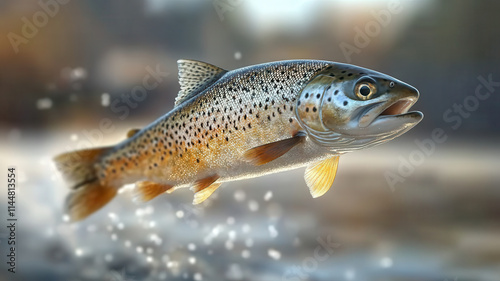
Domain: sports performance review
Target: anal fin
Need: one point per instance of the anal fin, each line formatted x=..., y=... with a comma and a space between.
x=147, y=190
x=266, y=153
x=319, y=176
x=204, y=188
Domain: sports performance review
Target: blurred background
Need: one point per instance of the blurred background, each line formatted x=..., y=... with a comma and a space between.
x=417, y=208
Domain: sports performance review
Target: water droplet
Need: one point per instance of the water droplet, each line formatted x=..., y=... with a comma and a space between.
x=386, y=262
x=197, y=276
x=239, y=195
x=246, y=228
x=108, y=258
x=274, y=254
x=245, y=254
x=179, y=214
x=78, y=252
x=229, y=245
x=232, y=235
x=268, y=196
x=234, y=272
x=349, y=274
x=253, y=206
x=105, y=99
x=172, y=264
x=44, y=103
x=191, y=247
x=272, y=231
x=78, y=73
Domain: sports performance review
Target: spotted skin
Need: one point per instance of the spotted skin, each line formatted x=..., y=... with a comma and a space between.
x=209, y=134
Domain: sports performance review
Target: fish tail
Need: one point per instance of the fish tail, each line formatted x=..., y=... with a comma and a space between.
x=88, y=194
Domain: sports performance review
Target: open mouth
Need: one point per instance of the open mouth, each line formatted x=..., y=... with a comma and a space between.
x=395, y=110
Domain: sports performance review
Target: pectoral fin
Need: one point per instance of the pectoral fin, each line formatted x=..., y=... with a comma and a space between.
x=319, y=176
x=266, y=153
x=147, y=190
x=204, y=188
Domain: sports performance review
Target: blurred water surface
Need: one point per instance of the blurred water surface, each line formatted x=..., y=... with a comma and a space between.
x=439, y=225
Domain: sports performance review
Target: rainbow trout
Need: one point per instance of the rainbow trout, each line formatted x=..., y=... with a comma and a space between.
x=244, y=123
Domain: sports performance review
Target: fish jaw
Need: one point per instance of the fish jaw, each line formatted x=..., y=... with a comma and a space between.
x=336, y=114
x=396, y=123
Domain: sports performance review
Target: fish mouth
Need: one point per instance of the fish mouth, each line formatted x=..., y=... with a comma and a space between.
x=399, y=107
x=391, y=114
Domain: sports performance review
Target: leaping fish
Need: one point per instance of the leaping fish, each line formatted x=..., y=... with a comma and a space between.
x=245, y=123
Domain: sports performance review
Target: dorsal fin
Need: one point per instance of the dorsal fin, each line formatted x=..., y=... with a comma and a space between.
x=195, y=76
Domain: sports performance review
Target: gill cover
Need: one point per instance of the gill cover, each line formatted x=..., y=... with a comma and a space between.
x=311, y=101
x=309, y=110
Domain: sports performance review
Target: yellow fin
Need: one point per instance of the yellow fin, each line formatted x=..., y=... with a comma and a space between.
x=147, y=190
x=87, y=199
x=202, y=195
x=319, y=176
x=132, y=132
x=204, y=188
x=266, y=153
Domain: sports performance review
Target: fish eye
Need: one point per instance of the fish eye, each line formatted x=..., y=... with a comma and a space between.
x=365, y=90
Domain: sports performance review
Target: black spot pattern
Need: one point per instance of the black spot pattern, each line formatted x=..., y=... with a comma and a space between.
x=261, y=97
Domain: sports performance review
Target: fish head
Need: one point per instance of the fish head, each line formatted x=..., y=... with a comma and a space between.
x=346, y=107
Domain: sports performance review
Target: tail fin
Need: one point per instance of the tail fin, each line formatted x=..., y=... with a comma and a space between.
x=88, y=195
